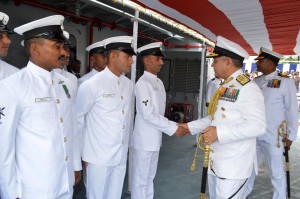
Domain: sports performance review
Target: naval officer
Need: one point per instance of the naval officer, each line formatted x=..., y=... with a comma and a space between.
x=236, y=117
x=36, y=122
x=104, y=117
x=281, y=105
x=149, y=122
x=98, y=60
x=5, y=68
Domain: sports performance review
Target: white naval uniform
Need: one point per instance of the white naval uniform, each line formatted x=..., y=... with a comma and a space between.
x=103, y=108
x=147, y=135
x=6, y=69
x=36, y=139
x=87, y=76
x=280, y=104
x=212, y=86
x=238, y=123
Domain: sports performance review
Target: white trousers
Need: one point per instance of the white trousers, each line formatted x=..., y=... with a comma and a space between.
x=275, y=163
x=143, y=172
x=225, y=188
x=105, y=182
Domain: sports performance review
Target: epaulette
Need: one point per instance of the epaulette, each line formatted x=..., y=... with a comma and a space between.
x=281, y=75
x=243, y=79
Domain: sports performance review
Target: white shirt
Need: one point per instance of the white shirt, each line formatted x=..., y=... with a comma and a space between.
x=281, y=104
x=239, y=119
x=150, y=121
x=103, y=106
x=6, y=69
x=87, y=76
x=36, y=136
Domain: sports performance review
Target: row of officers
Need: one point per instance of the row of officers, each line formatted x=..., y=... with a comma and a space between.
x=49, y=124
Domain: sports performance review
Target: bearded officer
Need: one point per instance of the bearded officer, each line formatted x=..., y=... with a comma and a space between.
x=281, y=105
x=5, y=68
x=236, y=117
x=104, y=117
x=36, y=122
x=98, y=60
x=149, y=122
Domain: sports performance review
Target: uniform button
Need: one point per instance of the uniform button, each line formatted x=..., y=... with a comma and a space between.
x=118, y=83
x=122, y=97
x=123, y=126
x=66, y=158
x=65, y=139
x=222, y=108
x=57, y=101
x=223, y=115
x=52, y=82
x=61, y=120
x=122, y=112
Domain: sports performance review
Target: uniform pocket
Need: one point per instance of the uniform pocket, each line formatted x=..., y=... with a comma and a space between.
x=42, y=116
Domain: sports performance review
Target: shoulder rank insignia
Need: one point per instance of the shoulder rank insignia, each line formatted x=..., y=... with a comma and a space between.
x=243, y=79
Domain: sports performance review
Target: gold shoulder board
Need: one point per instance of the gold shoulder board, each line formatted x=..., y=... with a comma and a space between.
x=243, y=79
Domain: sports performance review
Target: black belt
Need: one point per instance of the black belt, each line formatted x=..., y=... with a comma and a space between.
x=225, y=179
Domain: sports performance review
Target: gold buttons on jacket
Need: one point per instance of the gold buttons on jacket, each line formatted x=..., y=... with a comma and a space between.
x=223, y=115
x=61, y=120
x=222, y=108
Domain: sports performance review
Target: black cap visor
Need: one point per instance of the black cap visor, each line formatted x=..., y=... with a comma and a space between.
x=265, y=55
x=49, y=32
x=154, y=52
x=98, y=50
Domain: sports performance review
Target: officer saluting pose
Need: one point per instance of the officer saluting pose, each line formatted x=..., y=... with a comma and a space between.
x=104, y=117
x=236, y=118
x=149, y=123
x=5, y=68
x=36, y=122
x=281, y=104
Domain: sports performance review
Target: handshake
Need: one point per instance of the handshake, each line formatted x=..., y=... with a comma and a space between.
x=182, y=129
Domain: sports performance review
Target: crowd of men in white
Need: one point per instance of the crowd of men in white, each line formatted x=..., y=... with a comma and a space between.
x=52, y=125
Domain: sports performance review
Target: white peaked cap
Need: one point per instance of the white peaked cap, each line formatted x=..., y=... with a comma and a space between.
x=94, y=45
x=49, y=28
x=266, y=53
x=4, y=18
x=122, y=43
x=155, y=49
x=225, y=47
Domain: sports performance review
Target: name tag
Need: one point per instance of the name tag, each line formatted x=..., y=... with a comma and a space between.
x=109, y=95
x=44, y=99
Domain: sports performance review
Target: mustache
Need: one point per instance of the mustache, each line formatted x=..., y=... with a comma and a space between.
x=63, y=57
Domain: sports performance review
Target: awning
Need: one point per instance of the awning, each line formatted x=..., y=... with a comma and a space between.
x=250, y=23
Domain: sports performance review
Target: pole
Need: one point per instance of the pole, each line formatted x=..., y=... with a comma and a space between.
x=133, y=78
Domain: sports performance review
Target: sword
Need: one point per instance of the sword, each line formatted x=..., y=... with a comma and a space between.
x=282, y=131
x=206, y=150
